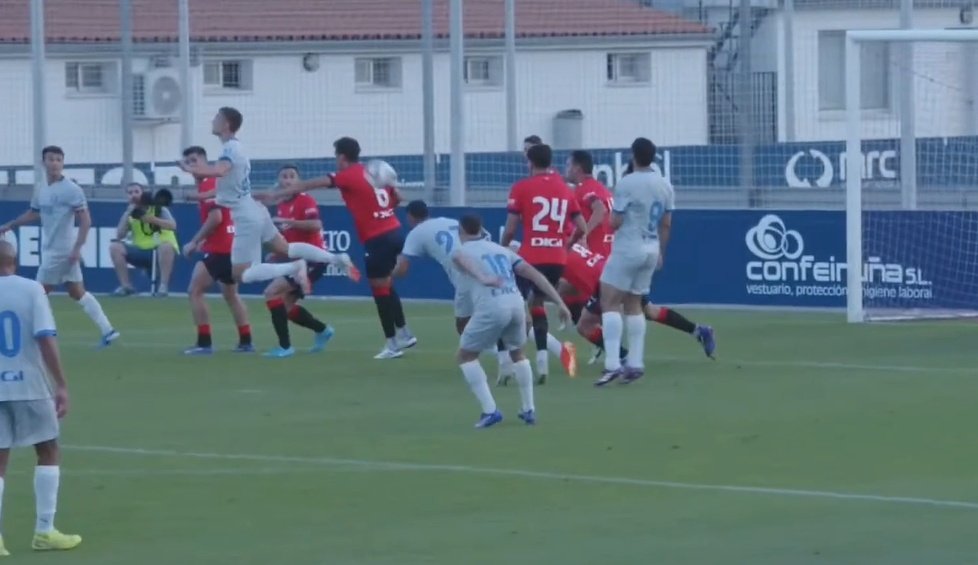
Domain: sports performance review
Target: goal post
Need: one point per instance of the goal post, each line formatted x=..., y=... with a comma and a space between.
x=911, y=241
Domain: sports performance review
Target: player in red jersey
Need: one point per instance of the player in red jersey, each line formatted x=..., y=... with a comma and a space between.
x=379, y=229
x=594, y=200
x=298, y=219
x=543, y=203
x=213, y=239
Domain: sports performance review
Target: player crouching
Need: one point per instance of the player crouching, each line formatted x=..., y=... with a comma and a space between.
x=488, y=272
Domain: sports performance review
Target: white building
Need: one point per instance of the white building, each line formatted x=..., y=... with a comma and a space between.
x=304, y=75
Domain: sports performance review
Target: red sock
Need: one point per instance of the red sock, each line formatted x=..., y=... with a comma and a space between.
x=204, y=329
x=204, y=335
x=244, y=334
x=596, y=337
x=663, y=314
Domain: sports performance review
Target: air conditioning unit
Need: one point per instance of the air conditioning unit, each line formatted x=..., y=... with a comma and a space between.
x=157, y=95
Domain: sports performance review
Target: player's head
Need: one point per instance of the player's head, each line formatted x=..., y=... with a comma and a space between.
x=54, y=160
x=529, y=141
x=417, y=212
x=195, y=155
x=8, y=257
x=134, y=192
x=347, y=152
x=540, y=157
x=287, y=175
x=580, y=164
x=226, y=122
x=643, y=153
x=470, y=227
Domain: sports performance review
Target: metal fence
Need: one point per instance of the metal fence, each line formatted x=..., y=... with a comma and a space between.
x=742, y=95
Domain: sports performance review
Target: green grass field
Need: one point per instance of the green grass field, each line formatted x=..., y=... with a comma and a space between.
x=808, y=441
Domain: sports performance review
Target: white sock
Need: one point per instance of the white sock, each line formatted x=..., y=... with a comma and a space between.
x=46, y=479
x=554, y=346
x=635, y=327
x=1, y=496
x=93, y=310
x=611, y=323
x=505, y=362
x=543, y=363
x=479, y=385
x=311, y=253
x=267, y=271
x=524, y=380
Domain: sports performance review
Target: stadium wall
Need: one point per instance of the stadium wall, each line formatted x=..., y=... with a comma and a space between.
x=745, y=257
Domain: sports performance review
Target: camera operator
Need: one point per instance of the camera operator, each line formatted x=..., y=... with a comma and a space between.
x=152, y=228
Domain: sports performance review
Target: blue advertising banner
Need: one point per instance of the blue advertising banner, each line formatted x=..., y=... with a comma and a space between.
x=942, y=162
x=926, y=260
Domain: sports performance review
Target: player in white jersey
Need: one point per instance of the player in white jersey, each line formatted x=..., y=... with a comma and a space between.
x=435, y=238
x=487, y=271
x=642, y=219
x=58, y=204
x=33, y=393
x=253, y=224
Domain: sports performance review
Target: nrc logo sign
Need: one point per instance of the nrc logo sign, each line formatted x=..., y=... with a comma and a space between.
x=814, y=169
x=546, y=242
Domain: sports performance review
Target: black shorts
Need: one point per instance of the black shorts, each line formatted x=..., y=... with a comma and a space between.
x=380, y=254
x=218, y=266
x=594, y=303
x=314, y=271
x=551, y=272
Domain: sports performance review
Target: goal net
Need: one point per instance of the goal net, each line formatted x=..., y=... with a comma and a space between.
x=911, y=174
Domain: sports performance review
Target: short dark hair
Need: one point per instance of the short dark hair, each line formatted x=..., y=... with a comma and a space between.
x=417, y=209
x=233, y=117
x=534, y=139
x=471, y=224
x=53, y=149
x=584, y=160
x=288, y=166
x=347, y=147
x=541, y=156
x=195, y=150
x=643, y=152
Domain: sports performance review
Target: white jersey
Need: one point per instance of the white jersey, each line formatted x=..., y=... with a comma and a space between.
x=643, y=197
x=25, y=316
x=495, y=261
x=57, y=204
x=436, y=238
x=235, y=186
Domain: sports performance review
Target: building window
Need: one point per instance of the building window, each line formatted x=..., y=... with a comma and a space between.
x=629, y=68
x=378, y=72
x=90, y=78
x=227, y=75
x=874, y=64
x=483, y=71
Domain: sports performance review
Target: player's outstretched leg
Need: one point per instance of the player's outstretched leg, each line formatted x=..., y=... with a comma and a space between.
x=668, y=317
x=90, y=305
x=313, y=254
x=304, y=318
x=280, y=323
x=47, y=479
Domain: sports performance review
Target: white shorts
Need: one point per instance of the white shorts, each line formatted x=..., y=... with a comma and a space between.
x=58, y=270
x=27, y=422
x=253, y=226
x=489, y=325
x=631, y=271
x=463, y=304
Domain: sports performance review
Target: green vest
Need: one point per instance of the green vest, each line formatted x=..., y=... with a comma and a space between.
x=144, y=236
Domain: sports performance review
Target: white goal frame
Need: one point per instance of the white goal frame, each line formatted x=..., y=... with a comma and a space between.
x=855, y=312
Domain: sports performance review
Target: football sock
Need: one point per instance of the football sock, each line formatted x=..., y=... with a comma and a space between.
x=675, y=320
x=635, y=327
x=302, y=317
x=385, y=310
x=554, y=346
x=46, y=480
x=612, y=323
x=244, y=334
x=538, y=315
x=93, y=310
x=479, y=385
x=398, y=310
x=204, y=335
x=524, y=380
x=280, y=321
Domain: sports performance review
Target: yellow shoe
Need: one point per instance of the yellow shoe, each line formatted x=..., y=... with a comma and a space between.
x=55, y=541
x=3, y=549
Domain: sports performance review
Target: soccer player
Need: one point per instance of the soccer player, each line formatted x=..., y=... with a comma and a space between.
x=583, y=274
x=379, y=229
x=543, y=203
x=214, y=240
x=642, y=219
x=298, y=218
x=30, y=367
x=59, y=203
x=488, y=273
x=531, y=140
x=252, y=223
x=594, y=201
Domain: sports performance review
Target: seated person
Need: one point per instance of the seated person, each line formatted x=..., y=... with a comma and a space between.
x=152, y=228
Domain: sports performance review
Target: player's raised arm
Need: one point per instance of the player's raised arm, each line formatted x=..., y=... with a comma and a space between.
x=527, y=271
x=28, y=217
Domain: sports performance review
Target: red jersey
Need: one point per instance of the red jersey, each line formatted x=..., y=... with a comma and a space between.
x=301, y=207
x=546, y=205
x=372, y=208
x=600, y=238
x=583, y=270
x=220, y=240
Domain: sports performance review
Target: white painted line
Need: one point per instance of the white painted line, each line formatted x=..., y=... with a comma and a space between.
x=527, y=474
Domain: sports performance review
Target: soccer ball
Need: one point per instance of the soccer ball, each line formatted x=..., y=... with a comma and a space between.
x=381, y=174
